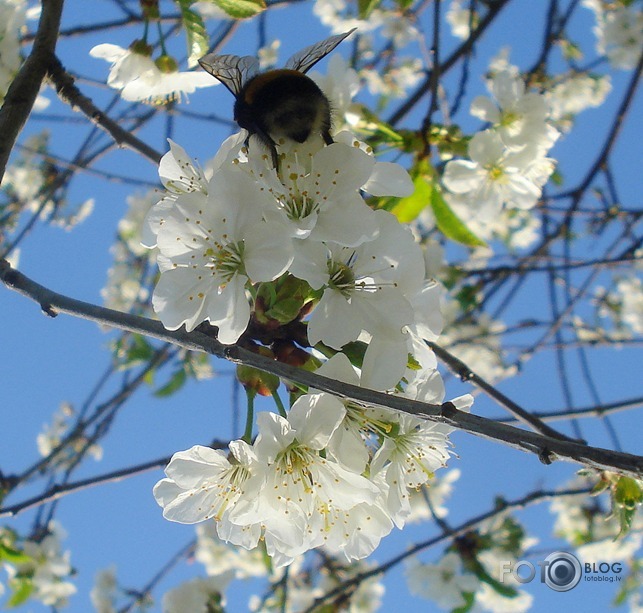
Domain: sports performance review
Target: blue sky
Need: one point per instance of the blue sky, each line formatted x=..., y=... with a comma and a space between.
x=48, y=361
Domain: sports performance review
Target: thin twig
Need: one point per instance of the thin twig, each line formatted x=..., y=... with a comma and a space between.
x=547, y=448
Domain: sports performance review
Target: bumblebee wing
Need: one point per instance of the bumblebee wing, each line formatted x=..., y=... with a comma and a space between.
x=305, y=59
x=233, y=71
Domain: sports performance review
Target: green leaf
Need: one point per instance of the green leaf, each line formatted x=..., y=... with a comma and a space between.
x=407, y=209
x=22, y=587
x=366, y=7
x=450, y=224
x=241, y=9
x=176, y=382
x=197, y=35
x=13, y=556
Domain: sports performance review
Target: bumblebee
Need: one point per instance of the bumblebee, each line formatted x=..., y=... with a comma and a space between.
x=277, y=103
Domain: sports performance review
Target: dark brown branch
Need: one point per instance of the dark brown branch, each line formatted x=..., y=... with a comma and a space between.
x=58, y=491
x=70, y=94
x=548, y=449
x=466, y=374
x=24, y=89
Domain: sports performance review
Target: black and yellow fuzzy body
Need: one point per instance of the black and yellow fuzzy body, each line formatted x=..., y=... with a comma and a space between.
x=280, y=103
x=283, y=103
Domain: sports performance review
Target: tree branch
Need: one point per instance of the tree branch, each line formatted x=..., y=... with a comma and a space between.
x=69, y=93
x=548, y=449
x=24, y=89
x=58, y=491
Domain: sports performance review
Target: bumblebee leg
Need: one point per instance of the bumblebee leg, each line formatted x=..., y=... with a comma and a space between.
x=265, y=139
x=328, y=139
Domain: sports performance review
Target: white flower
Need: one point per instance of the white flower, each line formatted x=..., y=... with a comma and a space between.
x=179, y=175
x=297, y=481
x=492, y=178
x=340, y=84
x=12, y=20
x=202, y=483
x=396, y=26
x=575, y=94
x=318, y=197
x=219, y=557
x=53, y=435
x=460, y=18
x=443, y=583
x=365, y=289
x=50, y=567
x=268, y=55
x=140, y=78
x=103, y=594
x=396, y=80
x=611, y=550
x=127, y=65
x=408, y=458
x=518, y=116
x=631, y=294
x=619, y=29
x=198, y=595
x=477, y=343
x=212, y=245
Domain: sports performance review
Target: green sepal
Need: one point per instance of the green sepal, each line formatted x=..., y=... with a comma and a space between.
x=240, y=9
x=196, y=33
x=627, y=496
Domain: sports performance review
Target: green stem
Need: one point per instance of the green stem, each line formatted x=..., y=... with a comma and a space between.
x=280, y=405
x=161, y=38
x=250, y=414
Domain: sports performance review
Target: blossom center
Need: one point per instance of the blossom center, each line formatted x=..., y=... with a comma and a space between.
x=342, y=277
x=299, y=206
x=226, y=259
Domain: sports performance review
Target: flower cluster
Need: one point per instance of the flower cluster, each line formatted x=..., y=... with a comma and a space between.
x=37, y=567
x=508, y=163
x=574, y=93
x=247, y=247
x=341, y=474
x=220, y=239
x=619, y=30
x=126, y=288
x=54, y=435
x=396, y=76
x=618, y=311
x=29, y=184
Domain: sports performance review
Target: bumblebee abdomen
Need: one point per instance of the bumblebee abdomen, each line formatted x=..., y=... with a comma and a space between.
x=283, y=103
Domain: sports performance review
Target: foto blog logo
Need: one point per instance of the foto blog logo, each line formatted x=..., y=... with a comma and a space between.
x=560, y=571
